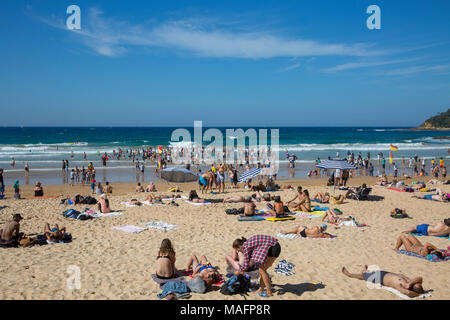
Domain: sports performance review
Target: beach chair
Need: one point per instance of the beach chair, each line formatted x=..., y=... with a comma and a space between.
x=363, y=194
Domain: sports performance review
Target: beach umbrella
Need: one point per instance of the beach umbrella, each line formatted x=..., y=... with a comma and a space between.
x=336, y=164
x=249, y=174
x=178, y=175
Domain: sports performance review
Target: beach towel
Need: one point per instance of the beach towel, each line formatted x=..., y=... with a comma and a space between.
x=181, y=197
x=147, y=203
x=294, y=236
x=421, y=235
x=250, y=218
x=160, y=225
x=318, y=201
x=179, y=276
x=42, y=238
x=128, y=205
x=352, y=223
x=279, y=218
x=285, y=268
x=98, y=214
x=404, y=296
x=430, y=257
x=130, y=229
x=313, y=214
x=198, y=204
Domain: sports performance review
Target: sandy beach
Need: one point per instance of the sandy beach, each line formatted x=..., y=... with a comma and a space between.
x=118, y=265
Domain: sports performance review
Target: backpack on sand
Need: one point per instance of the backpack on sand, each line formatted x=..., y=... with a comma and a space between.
x=236, y=284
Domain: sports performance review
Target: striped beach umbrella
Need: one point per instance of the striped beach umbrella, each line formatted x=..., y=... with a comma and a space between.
x=250, y=174
x=336, y=164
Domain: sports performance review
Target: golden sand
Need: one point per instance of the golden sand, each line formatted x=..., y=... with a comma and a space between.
x=117, y=265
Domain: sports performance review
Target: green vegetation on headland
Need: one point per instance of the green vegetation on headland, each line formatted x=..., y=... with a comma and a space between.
x=439, y=122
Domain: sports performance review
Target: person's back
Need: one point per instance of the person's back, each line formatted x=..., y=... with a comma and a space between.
x=10, y=229
x=104, y=205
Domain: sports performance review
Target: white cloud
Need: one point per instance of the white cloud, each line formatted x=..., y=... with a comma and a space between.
x=367, y=64
x=416, y=69
x=111, y=37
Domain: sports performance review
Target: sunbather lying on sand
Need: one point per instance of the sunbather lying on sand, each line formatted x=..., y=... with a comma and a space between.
x=305, y=232
x=436, y=181
x=261, y=196
x=438, y=196
x=322, y=197
x=332, y=218
x=55, y=234
x=203, y=269
x=194, y=198
x=165, y=261
x=411, y=288
x=134, y=202
x=155, y=199
x=442, y=228
x=413, y=245
x=236, y=259
x=241, y=199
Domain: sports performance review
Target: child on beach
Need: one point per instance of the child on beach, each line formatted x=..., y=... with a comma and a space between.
x=16, y=190
x=93, y=186
x=38, y=191
x=165, y=261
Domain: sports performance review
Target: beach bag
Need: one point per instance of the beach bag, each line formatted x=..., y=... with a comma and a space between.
x=89, y=200
x=236, y=284
x=398, y=214
x=231, y=211
x=71, y=213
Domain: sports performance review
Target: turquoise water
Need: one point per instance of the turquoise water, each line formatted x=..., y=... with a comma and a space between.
x=45, y=147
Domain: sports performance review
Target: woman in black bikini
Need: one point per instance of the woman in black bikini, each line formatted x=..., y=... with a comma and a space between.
x=165, y=261
x=194, y=198
x=413, y=245
x=305, y=232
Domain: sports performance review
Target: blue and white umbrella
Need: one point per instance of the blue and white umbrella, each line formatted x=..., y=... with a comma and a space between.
x=250, y=174
x=336, y=164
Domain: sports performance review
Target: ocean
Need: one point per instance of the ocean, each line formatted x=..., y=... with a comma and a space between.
x=45, y=147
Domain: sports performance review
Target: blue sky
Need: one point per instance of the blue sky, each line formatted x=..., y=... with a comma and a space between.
x=228, y=63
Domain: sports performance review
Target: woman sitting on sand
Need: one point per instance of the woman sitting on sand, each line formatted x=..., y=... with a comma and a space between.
x=277, y=208
x=249, y=208
x=322, y=197
x=139, y=188
x=165, y=261
x=382, y=181
x=107, y=188
x=103, y=204
x=413, y=245
x=38, y=191
x=203, y=268
x=337, y=199
x=305, y=232
x=332, y=218
x=236, y=259
x=305, y=203
x=55, y=234
x=194, y=198
x=151, y=187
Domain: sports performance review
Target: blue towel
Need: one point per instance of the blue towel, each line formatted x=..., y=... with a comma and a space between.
x=173, y=287
x=318, y=201
x=428, y=257
x=318, y=208
x=420, y=235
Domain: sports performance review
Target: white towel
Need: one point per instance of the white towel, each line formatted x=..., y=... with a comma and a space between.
x=98, y=214
x=403, y=296
x=130, y=229
x=198, y=204
x=294, y=236
x=160, y=225
x=147, y=203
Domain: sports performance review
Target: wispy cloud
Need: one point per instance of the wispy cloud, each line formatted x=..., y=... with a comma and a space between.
x=416, y=69
x=110, y=37
x=367, y=64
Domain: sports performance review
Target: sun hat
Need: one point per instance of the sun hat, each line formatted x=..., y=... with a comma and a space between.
x=104, y=196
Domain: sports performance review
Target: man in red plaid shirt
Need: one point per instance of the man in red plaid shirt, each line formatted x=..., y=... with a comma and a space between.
x=259, y=252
